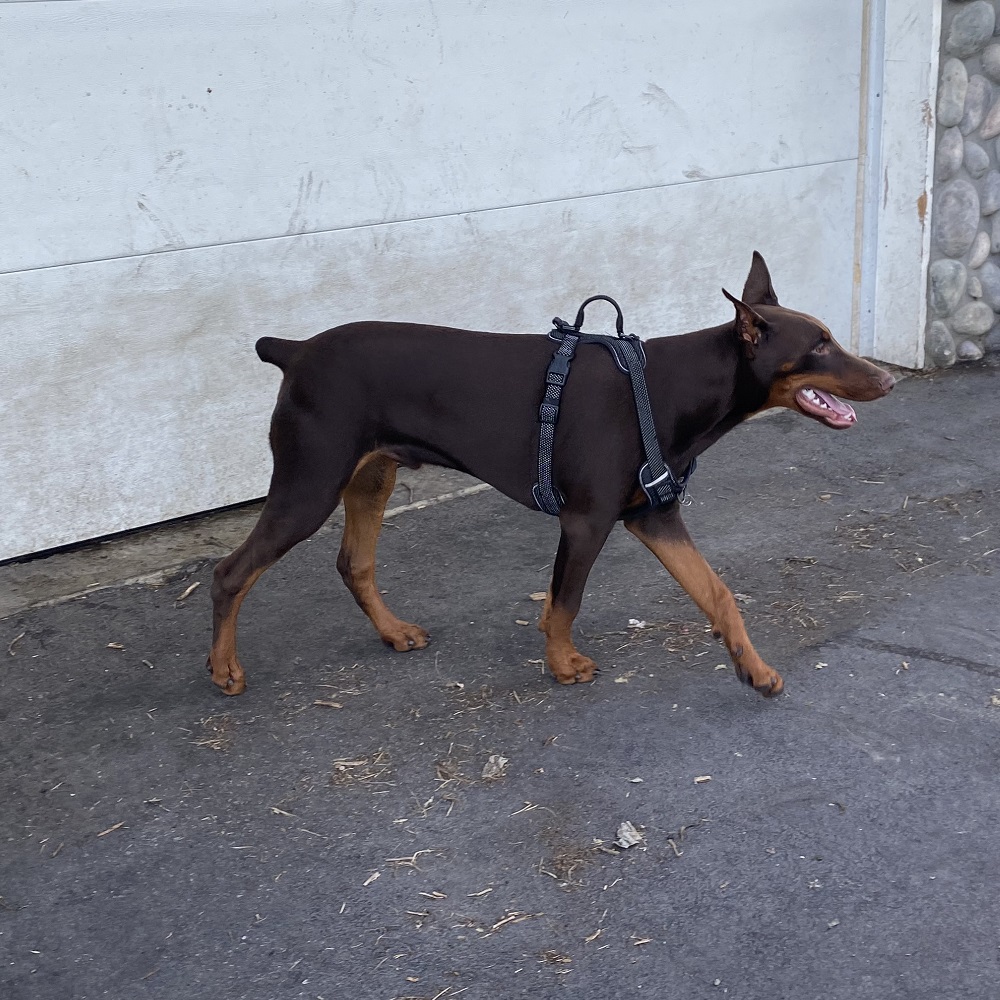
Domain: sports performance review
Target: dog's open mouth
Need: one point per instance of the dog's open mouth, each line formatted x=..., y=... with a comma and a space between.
x=822, y=406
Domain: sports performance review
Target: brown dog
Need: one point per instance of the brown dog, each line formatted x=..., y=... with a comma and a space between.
x=360, y=400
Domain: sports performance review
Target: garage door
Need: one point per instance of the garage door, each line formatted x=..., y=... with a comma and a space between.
x=182, y=178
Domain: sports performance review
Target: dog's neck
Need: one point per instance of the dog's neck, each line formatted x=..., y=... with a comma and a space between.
x=719, y=390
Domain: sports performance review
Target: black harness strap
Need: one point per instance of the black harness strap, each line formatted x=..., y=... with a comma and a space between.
x=657, y=480
x=545, y=494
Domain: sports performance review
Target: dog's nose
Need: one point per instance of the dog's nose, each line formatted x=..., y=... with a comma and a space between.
x=886, y=382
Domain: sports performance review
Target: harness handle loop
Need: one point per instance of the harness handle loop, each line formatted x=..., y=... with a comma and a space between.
x=619, y=322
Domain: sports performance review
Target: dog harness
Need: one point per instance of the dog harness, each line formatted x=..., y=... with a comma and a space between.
x=658, y=482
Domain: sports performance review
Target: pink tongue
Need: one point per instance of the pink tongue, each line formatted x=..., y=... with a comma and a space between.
x=840, y=408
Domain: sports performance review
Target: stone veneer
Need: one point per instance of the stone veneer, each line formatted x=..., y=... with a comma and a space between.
x=964, y=280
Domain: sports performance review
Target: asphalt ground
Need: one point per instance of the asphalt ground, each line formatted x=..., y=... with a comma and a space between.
x=330, y=834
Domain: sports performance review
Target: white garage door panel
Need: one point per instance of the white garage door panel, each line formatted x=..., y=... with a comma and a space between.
x=139, y=125
x=130, y=392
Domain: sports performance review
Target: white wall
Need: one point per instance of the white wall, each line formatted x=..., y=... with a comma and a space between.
x=180, y=178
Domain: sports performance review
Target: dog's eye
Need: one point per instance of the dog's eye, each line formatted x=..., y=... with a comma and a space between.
x=823, y=347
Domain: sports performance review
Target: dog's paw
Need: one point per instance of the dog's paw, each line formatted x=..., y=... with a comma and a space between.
x=228, y=677
x=573, y=669
x=403, y=637
x=761, y=678
x=772, y=686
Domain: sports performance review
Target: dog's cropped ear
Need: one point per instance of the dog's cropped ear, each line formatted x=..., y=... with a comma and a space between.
x=758, y=290
x=750, y=325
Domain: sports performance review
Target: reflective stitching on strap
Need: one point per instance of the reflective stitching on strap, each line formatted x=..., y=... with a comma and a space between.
x=545, y=494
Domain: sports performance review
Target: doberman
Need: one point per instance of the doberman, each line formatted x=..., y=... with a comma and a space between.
x=358, y=401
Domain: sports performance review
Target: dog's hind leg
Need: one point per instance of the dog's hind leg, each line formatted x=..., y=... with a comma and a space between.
x=365, y=497
x=662, y=531
x=305, y=488
x=582, y=538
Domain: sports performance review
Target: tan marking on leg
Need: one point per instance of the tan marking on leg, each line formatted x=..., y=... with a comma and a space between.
x=688, y=567
x=567, y=665
x=227, y=672
x=364, y=499
x=543, y=622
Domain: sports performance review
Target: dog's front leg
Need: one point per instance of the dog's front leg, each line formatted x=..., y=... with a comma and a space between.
x=663, y=532
x=583, y=536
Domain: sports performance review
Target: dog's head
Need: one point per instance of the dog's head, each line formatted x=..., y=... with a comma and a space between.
x=795, y=360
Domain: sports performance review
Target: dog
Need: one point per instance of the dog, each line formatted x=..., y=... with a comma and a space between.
x=358, y=401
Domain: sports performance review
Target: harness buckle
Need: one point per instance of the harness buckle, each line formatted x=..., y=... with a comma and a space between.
x=665, y=488
x=558, y=369
x=667, y=474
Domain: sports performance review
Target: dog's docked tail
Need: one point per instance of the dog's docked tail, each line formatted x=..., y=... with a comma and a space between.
x=276, y=351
